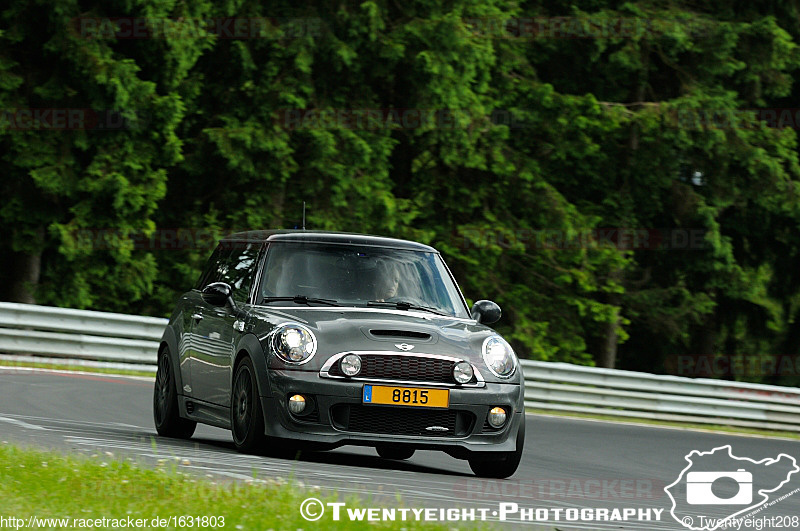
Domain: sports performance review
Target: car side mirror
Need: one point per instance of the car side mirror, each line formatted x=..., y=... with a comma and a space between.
x=218, y=294
x=486, y=312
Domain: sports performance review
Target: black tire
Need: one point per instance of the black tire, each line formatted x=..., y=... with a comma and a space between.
x=166, y=413
x=247, y=416
x=499, y=465
x=395, y=452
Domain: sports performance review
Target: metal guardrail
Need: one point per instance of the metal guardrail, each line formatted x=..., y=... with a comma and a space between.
x=79, y=334
x=579, y=389
x=118, y=340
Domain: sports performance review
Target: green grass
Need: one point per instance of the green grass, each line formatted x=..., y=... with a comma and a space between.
x=51, y=485
x=73, y=367
x=665, y=423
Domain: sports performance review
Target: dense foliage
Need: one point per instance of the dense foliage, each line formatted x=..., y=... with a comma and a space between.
x=618, y=176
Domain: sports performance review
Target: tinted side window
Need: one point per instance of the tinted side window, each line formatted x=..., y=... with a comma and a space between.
x=237, y=266
x=209, y=274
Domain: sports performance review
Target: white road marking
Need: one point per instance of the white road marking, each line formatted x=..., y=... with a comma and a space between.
x=22, y=424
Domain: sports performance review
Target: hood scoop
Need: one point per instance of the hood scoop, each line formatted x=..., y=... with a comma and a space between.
x=406, y=335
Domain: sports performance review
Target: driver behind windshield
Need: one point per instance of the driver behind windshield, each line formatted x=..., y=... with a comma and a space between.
x=271, y=277
x=387, y=282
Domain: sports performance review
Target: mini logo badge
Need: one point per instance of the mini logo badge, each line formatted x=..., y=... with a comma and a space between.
x=437, y=428
x=405, y=347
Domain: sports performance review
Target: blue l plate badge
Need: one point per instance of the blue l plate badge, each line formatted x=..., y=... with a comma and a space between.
x=367, y=393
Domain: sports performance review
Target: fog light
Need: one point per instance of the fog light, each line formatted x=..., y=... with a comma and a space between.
x=462, y=372
x=351, y=364
x=297, y=403
x=497, y=417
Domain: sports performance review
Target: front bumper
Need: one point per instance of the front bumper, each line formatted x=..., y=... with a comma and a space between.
x=337, y=403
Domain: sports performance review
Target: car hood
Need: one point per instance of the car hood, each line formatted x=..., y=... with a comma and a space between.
x=361, y=329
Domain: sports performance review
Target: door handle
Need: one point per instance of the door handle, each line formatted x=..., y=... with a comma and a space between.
x=197, y=317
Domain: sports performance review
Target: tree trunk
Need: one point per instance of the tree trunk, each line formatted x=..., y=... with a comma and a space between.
x=608, y=354
x=26, y=269
x=608, y=357
x=791, y=348
x=707, y=347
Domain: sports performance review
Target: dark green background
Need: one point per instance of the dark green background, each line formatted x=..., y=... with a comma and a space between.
x=564, y=132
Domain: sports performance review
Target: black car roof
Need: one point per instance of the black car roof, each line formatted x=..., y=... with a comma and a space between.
x=327, y=237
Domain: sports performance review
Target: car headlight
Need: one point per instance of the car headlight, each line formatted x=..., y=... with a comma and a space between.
x=294, y=343
x=499, y=356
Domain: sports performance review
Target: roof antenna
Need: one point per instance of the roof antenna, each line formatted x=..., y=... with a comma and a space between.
x=304, y=215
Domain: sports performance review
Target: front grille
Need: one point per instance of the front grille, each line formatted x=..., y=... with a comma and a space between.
x=312, y=416
x=405, y=368
x=403, y=421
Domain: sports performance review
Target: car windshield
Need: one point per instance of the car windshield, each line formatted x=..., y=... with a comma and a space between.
x=360, y=276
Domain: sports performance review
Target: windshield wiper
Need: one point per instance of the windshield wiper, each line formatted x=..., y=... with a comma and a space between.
x=301, y=299
x=403, y=305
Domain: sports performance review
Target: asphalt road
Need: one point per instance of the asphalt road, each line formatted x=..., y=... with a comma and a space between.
x=567, y=463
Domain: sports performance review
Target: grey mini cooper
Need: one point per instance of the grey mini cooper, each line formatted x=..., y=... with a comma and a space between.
x=301, y=339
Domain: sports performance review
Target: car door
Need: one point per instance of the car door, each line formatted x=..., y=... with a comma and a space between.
x=187, y=305
x=217, y=329
x=191, y=318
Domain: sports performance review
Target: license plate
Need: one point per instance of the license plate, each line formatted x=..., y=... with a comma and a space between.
x=406, y=396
